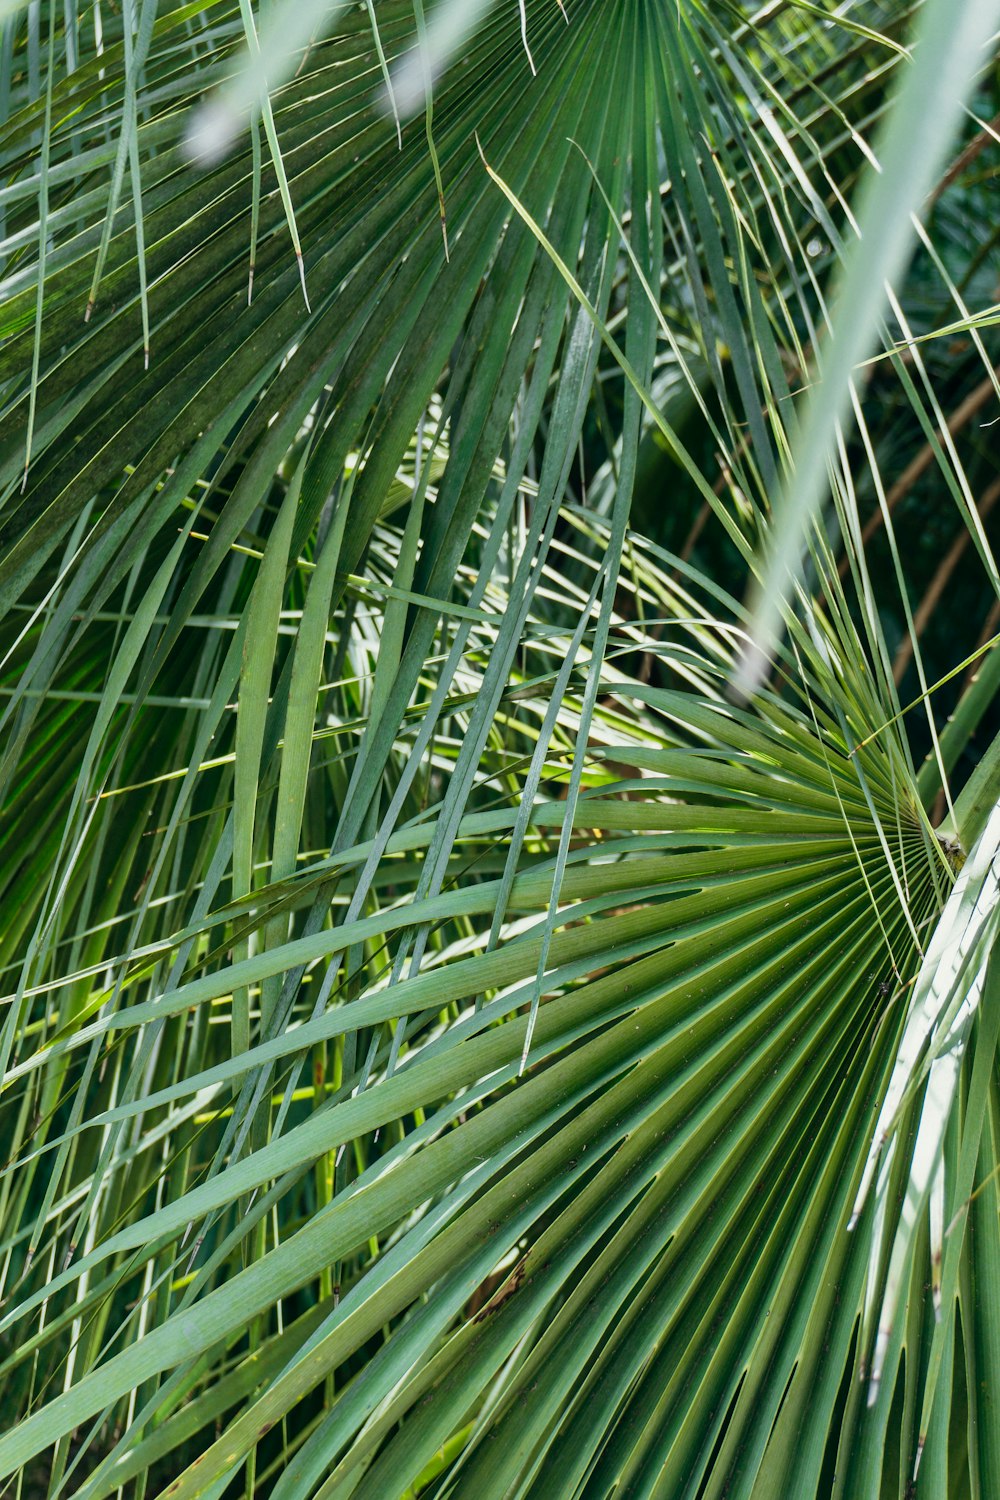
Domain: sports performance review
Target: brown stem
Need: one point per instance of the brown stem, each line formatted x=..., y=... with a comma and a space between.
x=939, y=583
x=968, y=154
x=922, y=461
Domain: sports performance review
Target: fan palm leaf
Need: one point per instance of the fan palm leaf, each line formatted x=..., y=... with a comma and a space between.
x=453, y=1045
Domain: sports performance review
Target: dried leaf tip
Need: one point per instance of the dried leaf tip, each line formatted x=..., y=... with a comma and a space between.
x=302, y=278
x=524, y=39
x=444, y=228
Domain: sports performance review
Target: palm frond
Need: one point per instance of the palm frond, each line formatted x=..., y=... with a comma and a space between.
x=450, y=1045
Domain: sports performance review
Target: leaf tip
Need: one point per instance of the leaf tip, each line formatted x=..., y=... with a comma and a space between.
x=751, y=668
x=302, y=278
x=211, y=133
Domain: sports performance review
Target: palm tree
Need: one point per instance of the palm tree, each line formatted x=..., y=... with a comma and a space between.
x=500, y=871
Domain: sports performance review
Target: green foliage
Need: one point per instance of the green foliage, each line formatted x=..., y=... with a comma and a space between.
x=485, y=1012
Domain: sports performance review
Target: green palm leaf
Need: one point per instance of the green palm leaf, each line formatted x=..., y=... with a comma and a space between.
x=451, y=1046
